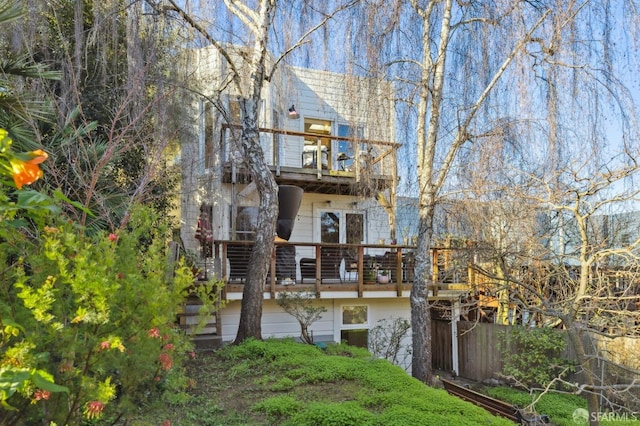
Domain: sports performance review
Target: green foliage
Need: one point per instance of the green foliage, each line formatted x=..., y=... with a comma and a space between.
x=268, y=350
x=331, y=414
x=98, y=313
x=402, y=415
x=278, y=406
x=532, y=355
x=300, y=305
x=559, y=407
x=282, y=384
x=343, y=349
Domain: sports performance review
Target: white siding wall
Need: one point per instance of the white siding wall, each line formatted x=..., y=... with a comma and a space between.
x=337, y=98
x=306, y=226
x=278, y=324
x=292, y=150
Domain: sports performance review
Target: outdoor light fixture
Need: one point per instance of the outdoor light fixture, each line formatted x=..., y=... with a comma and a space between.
x=293, y=114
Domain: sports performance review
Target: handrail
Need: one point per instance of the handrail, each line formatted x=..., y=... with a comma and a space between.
x=397, y=260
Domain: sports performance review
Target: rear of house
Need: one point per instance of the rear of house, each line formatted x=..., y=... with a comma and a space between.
x=333, y=136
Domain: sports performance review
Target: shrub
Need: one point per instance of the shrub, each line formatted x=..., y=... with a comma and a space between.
x=97, y=313
x=386, y=339
x=532, y=355
x=300, y=305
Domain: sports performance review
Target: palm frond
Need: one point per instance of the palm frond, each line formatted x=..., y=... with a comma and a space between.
x=10, y=10
x=22, y=66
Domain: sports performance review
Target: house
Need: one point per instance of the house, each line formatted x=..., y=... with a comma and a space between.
x=333, y=136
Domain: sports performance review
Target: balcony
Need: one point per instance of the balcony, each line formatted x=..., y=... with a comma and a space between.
x=326, y=164
x=342, y=270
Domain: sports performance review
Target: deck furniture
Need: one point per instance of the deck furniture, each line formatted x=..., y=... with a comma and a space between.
x=330, y=262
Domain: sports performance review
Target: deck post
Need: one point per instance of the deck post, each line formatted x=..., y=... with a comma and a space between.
x=455, y=317
x=225, y=272
x=434, y=267
x=272, y=275
x=318, y=268
x=399, y=271
x=360, y=270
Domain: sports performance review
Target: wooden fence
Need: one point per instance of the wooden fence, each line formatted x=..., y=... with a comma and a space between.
x=479, y=354
x=441, y=338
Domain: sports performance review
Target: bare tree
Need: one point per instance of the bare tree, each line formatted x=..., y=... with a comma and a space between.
x=590, y=282
x=476, y=72
x=437, y=150
x=562, y=240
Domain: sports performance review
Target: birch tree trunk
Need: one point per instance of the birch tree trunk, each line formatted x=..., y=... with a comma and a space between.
x=430, y=97
x=432, y=176
x=252, y=297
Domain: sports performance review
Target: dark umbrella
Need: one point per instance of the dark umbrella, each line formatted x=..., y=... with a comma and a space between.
x=204, y=231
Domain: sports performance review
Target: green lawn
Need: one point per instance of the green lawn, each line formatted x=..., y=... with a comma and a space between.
x=286, y=383
x=559, y=407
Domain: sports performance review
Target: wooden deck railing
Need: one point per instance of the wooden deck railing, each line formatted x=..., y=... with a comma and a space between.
x=319, y=267
x=354, y=153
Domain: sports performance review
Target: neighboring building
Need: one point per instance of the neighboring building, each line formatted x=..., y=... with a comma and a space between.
x=333, y=136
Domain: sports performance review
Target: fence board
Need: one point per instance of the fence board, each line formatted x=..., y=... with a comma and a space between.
x=442, y=358
x=478, y=349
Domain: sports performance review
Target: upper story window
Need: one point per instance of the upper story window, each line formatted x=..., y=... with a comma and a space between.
x=244, y=222
x=314, y=144
x=208, y=125
x=347, y=149
x=234, y=117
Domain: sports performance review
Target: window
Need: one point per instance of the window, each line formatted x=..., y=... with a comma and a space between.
x=359, y=338
x=277, y=141
x=341, y=226
x=322, y=128
x=346, y=149
x=208, y=135
x=330, y=227
x=355, y=228
x=233, y=117
x=354, y=325
x=246, y=221
x=355, y=315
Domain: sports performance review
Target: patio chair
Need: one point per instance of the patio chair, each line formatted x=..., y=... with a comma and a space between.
x=331, y=259
x=238, y=256
x=350, y=264
x=286, y=262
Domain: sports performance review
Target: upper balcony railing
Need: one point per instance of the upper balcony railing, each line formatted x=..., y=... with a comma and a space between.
x=322, y=155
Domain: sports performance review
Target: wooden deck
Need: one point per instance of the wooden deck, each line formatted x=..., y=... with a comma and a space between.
x=339, y=268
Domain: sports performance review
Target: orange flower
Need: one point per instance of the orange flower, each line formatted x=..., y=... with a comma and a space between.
x=93, y=409
x=165, y=360
x=26, y=172
x=39, y=395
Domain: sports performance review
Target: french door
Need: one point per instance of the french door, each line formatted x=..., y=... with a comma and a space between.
x=341, y=226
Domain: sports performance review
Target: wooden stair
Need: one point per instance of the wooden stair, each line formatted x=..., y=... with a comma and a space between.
x=206, y=336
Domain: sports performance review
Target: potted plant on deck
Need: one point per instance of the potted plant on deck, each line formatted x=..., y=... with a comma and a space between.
x=370, y=270
x=383, y=277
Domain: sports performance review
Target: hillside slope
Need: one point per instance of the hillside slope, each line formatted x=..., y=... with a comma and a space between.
x=278, y=382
